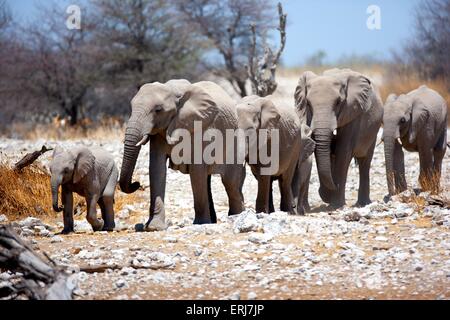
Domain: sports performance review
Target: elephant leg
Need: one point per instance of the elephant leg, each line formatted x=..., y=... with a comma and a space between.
x=234, y=191
x=199, y=183
x=305, y=195
x=437, y=168
x=97, y=224
x=287, y=203
x=271, y=205
x=364, y=179
x=262, y=200
x=212, y=210
x=158, y=172
x=67, y=201
x=439, y=153
x=342, y=163
x=106, y=202
x=426, y=168
x=296, y=190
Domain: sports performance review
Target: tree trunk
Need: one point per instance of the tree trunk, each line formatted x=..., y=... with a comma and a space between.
x=41, y=279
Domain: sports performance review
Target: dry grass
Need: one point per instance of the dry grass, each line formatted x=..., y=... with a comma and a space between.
x=112, y=129
x=403, y=83
x=28, y=193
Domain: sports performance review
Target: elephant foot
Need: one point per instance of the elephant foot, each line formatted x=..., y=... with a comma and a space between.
x=362, y=203
x=109, y=228
x=202, y=221
x=299, y=212
x=98, y=225
x=156, y=223
x=233, y=213
x=337, y=205
x=67, y=231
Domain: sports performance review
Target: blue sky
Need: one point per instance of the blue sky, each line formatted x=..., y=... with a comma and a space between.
x=337, y=27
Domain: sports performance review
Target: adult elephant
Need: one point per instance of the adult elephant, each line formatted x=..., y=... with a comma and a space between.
x=344, y=110
x=158, y=110
x=416, y=122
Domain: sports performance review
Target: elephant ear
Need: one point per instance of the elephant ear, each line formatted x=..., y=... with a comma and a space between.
x=392, y=98
x=195, y=105
x=358, y=92
x=84, y=164
x=269, y=114
x=419, y=117
x=56, y=151
x=301, y=92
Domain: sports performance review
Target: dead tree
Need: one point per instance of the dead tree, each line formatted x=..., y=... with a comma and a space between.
x=262, y=71
x=30, y=158
x=39, y=278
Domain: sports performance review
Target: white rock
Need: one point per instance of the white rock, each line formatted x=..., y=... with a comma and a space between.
x=82, y=227
x=57, y=239
x=276, y=223
x=260, y=238
x=235, y=296
x=246, y=222
x=121, y=283
x=252, y=296
x=170, y=239
x=31, y=222
x=123, y=214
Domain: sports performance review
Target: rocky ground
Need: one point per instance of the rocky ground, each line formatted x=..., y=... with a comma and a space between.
x=392, y=250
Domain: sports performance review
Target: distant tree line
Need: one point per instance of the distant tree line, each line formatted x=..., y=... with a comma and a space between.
x=427, y=52
x=48, y=70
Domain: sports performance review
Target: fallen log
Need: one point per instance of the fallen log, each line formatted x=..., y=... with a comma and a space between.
x=39, y=277
x=30, y=158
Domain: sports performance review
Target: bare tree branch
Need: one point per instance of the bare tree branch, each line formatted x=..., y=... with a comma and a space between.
x=262, y=71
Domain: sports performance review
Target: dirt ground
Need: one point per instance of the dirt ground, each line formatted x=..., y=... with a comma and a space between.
x=395, y=250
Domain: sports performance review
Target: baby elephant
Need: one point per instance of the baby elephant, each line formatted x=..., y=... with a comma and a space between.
x=93, y=175
x=416, y=122
x=254, y=114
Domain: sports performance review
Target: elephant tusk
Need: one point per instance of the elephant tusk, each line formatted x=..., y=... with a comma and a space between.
x=335, y=132
x=144, y=140
x=399, y=142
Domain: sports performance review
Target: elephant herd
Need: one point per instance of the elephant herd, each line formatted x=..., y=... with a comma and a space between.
x=336, y=118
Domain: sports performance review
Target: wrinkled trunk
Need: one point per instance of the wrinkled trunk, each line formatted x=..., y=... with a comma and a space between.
x=323, y=138
x=131, y=152
x=55, y=194
x=389, y=146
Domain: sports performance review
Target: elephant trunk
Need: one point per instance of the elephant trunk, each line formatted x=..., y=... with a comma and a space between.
x=130, y=155
x=55, y=194
x=323, y=139
x=389, y=145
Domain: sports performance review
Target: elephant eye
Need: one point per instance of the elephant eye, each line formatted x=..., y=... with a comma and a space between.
x=158, y=108
x=403, y=120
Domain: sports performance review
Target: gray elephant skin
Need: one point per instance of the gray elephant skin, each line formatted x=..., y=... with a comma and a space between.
x=158, y=110
x=92, y=174
x=255, y=113
x=345, y=111
x=416, y=122
x=305, y=167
